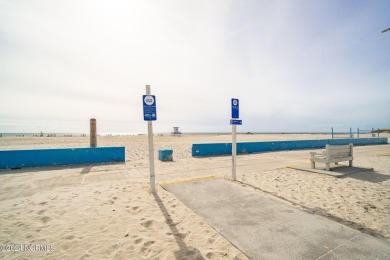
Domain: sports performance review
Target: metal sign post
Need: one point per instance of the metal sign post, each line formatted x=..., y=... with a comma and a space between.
x=234, y=122
x=149, y=104
x=234, y=152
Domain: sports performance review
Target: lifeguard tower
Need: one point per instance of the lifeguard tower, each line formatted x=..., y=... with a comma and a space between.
x=176, y=131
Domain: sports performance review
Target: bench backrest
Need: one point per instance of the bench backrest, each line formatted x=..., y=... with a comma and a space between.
x=339, y=151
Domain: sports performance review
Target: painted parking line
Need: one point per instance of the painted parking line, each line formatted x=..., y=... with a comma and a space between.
x=188, y=180
x=383, y=154
x=295, y=165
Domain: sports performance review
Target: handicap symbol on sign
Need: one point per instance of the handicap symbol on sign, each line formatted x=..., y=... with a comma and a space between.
x=149, y=100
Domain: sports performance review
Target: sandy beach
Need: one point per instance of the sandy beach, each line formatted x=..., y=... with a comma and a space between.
x=105, y=211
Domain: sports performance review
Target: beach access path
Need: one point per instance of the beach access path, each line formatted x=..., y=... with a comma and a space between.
x=263, y=227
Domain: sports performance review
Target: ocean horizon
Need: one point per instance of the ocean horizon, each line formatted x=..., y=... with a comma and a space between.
x=55, y=134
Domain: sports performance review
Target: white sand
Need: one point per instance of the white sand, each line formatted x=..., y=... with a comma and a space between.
x=105, y=211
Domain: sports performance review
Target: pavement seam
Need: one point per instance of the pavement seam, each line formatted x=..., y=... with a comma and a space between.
x=188, y=180
x=338, y=247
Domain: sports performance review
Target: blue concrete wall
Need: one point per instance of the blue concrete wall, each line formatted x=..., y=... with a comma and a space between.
x=256, y=147
x=48, y=157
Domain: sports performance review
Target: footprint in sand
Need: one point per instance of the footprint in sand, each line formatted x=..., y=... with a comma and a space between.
x=180, y=235
x=66, y=246
x=20, y=224
x=70, y=237
x=103, y=228
x=145, y=248
x=85, y=256
x=210, y=240
x=114, y=247
x=191, y=253
x=45, y=219
x=138, y=241
x=148, y=223
x=130, y=248
x=60, y=212
x=41, y=212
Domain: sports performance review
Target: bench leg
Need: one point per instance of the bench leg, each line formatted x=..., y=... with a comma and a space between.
x=328, y=166
x=350, y=163
x=313, y=165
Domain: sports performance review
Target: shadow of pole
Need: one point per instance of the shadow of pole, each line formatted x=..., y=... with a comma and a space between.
x=184, y=250
x=86, y=170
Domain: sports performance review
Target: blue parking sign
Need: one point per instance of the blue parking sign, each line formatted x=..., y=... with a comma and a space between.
x=149, y=102
x=235, y=108
x=235, y=122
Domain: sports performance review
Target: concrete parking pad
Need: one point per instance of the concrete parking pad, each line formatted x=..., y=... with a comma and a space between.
x=263, y=227
x=338, y=171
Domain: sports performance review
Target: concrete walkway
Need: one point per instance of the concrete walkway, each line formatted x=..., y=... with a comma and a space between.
x=336, y=171
x=263, y=227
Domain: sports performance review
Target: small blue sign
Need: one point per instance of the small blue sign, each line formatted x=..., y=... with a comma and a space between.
x=235, y=108
x=235, y=122
x=150, y=112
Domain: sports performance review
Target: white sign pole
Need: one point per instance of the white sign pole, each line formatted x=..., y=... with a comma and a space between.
x=151, y=150
x=234, y=152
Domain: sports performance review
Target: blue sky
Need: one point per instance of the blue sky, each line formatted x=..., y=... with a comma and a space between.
x=294, y=65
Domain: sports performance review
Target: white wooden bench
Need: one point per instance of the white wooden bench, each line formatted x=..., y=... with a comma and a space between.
x=333, y=154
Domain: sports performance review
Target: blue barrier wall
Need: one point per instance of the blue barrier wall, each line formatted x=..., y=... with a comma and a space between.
x=48, y=157
x=256, y=147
